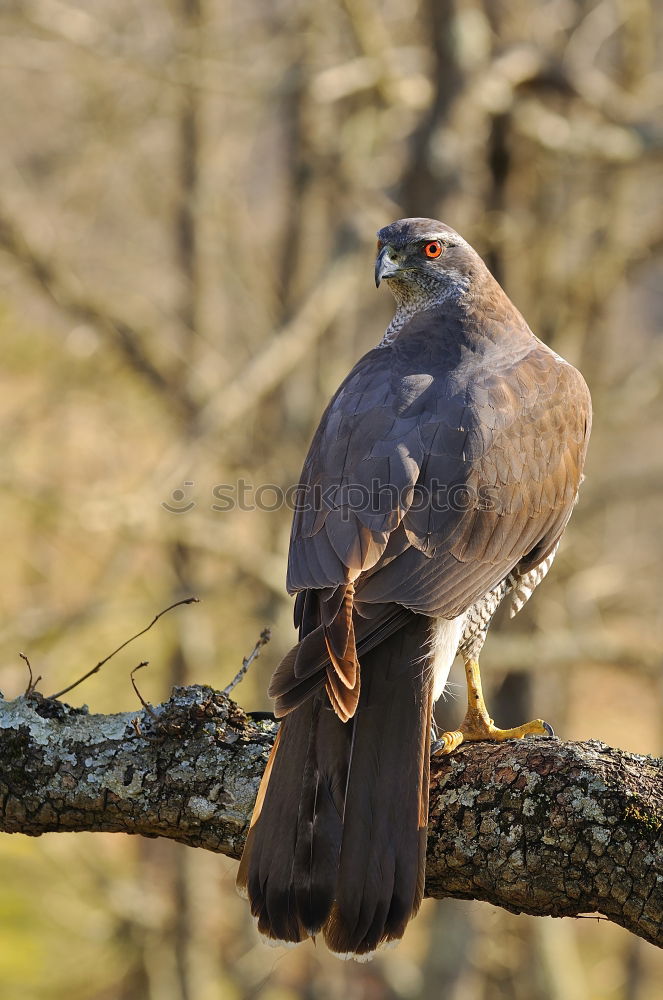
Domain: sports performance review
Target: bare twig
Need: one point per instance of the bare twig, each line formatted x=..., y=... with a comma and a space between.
x=263, y=639
x=95, y=669
x=32, y=684
x=145, y=704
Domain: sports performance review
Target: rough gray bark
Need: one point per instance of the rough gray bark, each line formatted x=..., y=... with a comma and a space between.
x=538, y=825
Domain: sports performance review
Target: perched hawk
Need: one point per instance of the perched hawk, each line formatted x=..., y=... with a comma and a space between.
x=439, y=482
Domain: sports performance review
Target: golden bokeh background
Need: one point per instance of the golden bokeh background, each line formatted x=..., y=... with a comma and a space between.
x=189, y=192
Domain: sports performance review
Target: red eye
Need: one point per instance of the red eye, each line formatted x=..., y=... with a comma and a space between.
x=433, y=249
x=380, y=245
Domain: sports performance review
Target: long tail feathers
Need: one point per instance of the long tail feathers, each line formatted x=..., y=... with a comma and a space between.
x=381, y=871
x=338, y=838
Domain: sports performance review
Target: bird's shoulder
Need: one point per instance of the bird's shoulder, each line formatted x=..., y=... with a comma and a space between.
x=435, y=374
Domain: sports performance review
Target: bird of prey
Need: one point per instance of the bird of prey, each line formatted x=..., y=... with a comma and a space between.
x=439, y=482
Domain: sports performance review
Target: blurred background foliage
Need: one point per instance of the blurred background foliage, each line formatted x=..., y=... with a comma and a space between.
x=189, y=193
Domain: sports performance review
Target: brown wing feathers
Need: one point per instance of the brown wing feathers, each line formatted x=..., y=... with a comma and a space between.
x=343, y=675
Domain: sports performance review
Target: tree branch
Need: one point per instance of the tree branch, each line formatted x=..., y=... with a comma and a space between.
x=539, y=826
x=267, y=369
x=45, y=272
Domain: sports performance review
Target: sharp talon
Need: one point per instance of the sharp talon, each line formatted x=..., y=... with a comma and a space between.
x=446, y=744
x=262, y=716
x=549, y=729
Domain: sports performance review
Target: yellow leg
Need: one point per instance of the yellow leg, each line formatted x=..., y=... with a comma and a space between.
x=477, y=724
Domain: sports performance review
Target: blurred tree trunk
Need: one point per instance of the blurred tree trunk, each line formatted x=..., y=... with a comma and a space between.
x=426, y=181
x=190, y=28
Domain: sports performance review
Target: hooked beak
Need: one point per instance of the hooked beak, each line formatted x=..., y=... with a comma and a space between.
x=385, y=267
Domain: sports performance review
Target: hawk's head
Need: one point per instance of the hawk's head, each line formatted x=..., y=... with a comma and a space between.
x=423, y=253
